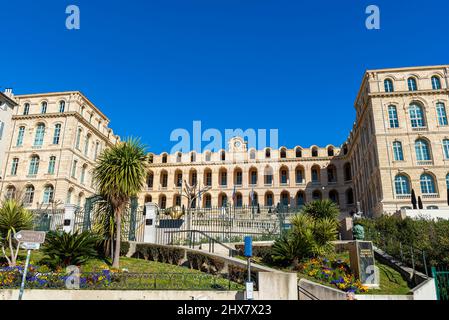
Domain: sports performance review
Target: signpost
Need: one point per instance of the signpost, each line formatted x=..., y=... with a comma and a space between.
x=29, y=240
x=249, y=253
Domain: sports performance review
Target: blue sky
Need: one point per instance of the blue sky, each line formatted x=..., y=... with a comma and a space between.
x=154, y=66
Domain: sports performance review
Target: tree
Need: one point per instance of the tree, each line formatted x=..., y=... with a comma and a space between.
x=192, y=193
x=13, y=218
x=322, y=209
x=119, y=175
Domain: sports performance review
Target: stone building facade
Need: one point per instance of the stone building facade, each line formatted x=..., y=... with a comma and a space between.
x=7, y=106
x=400, y=140
x=55, y=141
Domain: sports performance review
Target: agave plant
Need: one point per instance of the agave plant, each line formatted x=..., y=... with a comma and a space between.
x=13, y=218
x=63, y=249
x=322, y=209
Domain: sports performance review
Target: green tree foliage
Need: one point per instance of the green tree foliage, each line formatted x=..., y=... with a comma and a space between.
x=119, y=175
x=13, y=218
x=63, y=249
x=311, y=235
x=322, y=209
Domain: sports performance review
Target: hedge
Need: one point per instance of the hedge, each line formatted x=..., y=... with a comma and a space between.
x=160, y=253
x=263, y=252
x=204, y=262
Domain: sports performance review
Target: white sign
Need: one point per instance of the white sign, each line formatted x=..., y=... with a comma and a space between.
x=249, y=290
x=30, y=236
x=30, y=245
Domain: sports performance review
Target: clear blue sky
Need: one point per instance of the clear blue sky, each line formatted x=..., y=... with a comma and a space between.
x=153, y=66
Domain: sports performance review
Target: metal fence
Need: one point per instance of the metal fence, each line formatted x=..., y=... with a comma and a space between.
x=48, y=219
x=224, y=224
x=441, y=277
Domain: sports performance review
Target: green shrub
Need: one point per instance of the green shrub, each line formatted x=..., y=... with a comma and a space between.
x=124, y=248
x=262, y=252
x=205, y=262
x=239, y=274
x=160, y=253
x=62, y=249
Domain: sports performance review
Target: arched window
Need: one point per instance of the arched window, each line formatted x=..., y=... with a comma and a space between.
x=402, y=185
x=26, y=109
x=192, y=157
x=164, y=179
x=447, y=181
x=283, y=176
x=86, y=145
x=57, y=134
x=446, y=148
x=20, y=135
x=349, y=196
x=347, y=171
x=268, y=176
x=427, y=184
x=10, y=192
x=397, y=151
x=150, y=178
x=44, y=107
x=330, y=152
x=34, y=165
x=207, y=201
x=412, y=86
x=51, y=165
x=178, y=178
x=314, y=152
x=253, y=176
x=300, y=198
x=238, y=177
x=269, y=199
x=283, y=153
x=331, y=173
x=162, y=201
x=393, y=117
x=39, y=137
x=208, y=156
x=238, y=200
x=333, y=196
x=316, y=195
x=78, y=138
x=436, y=83
x=299, y=175
x=164, y=158
x=48, y=195
x=267, y=153
x=208, y=177
x=252, y=154
x=441, y=114
x=422, y=150
x=223, y=200
x=223, y=177
x=79, y=202
x=29, y=195
x=388, y=84
x=298, y=152
x=223, y=156
x=178, y=157
x=315, y=174
x=285, y=199
x=417, y=116
x=69, y=196
x=83, y=173
x=14, y=166
x=61, y=106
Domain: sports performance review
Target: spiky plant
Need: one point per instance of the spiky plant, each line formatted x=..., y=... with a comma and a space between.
x=13, y=218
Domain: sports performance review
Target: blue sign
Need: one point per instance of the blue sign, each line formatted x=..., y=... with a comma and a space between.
x=248, y=246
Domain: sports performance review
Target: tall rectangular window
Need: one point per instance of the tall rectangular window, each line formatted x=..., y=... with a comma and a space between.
x=441, y=113
x=75, y=162
x=51, y=165
x=34, y=166
x=20, y=136
x=78, y=139
x=57, y=134
x=2, y=126
x=238, y=178
x=40, y=132
x=14, y=166
x=393, y=117
x=83, y=174
x=397, y=151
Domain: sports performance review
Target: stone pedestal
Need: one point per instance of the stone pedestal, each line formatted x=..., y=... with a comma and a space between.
x=362, y=262
x=149, y=235
x=69, y=218
x=346, y=226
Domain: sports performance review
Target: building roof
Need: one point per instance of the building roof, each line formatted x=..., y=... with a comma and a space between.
x=48, y=94
x=7, y=99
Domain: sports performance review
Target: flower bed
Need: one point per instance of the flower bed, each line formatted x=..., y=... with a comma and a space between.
x=332, y=272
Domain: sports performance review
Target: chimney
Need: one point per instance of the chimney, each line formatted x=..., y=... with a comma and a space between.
x=8, y=92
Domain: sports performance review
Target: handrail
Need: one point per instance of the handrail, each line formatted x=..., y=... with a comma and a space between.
x=307, y=293
x=212, y=241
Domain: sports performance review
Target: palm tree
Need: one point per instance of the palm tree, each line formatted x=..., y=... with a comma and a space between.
x=13, y=218
x=119, y=175
x=320, y=209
